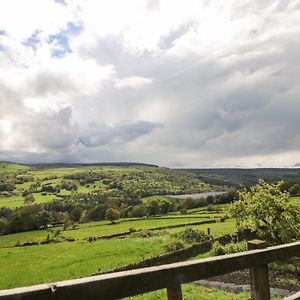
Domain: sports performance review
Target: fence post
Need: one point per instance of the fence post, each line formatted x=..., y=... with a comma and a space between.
x=259, y=276
x=174, y=293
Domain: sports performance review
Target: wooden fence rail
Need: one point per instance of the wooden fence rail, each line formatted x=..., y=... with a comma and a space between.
x=134, y=282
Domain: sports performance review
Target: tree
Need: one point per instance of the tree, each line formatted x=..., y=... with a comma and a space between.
x=75, y=214
x=139, y=211
x=112, y=214
x=265, y=209
x=153, y=207
x=165, y=206
x=97, y=213
x=295, y=189
x=189, y=203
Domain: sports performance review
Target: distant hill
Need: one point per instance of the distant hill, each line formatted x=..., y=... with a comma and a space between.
x=231, y=177
x=74, y=165
x=8, y=167
x=244, y=177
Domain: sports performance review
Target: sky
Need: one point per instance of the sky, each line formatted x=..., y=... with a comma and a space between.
x=175, y=83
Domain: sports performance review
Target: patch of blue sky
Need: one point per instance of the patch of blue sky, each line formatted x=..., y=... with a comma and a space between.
x=61, y=40
x=59, y=52
x=74, y=28
x=33, y=40
x=61, y=44
x=61, y=2
x=2, y=32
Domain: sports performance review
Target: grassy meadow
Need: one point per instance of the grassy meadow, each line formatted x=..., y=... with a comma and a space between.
x=65, y=260
x=65, y=252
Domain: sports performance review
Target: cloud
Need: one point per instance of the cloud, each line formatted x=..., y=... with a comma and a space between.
x=194, y=83
x=133, y=82
x=99, y=135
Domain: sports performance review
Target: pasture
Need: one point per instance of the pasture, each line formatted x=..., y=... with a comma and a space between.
x=80, y=248
x=65, y=260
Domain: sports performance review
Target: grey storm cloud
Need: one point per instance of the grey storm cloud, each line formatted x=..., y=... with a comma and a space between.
x=98, y=135
x=193, y=98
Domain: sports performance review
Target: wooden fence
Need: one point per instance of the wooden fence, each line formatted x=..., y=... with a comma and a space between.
x=170, y=276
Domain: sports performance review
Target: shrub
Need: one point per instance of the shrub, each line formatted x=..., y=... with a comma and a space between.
x=235, y=247
x=144, y=233
x=173, y=246
x=217, y=249
x=190, y=235
x=132, y=229
x=149, y=233
x=112, y=214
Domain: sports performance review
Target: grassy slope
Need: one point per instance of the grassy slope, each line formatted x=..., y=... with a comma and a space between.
x=11, y=167
x=45, y=263
x=102, y=228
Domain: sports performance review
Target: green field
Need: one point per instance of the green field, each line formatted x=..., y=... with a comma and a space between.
x=65, y=260
x=46, y=263
x=11, y=167
x=104, y=228
x=85, y=253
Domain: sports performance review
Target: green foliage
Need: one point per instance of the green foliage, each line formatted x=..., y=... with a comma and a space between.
x=30, y=217
x=265, y=209
x=75, y=214
x=146, y=233
x=295, y=189
x=165, y=206
x=70, y=185
x=173, y=246
x=191, y=235
x=97, y=213
x=217, y=249
x=7, y=186
x=238, y=178
x=85, y=193
x=138, y=211
x=112, y=214
x=236, y=247
x=153, y=207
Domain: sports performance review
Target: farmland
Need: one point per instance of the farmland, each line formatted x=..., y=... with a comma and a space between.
x=46, y=184
x=64, y=260
x=54, y=221
x=81, y=246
